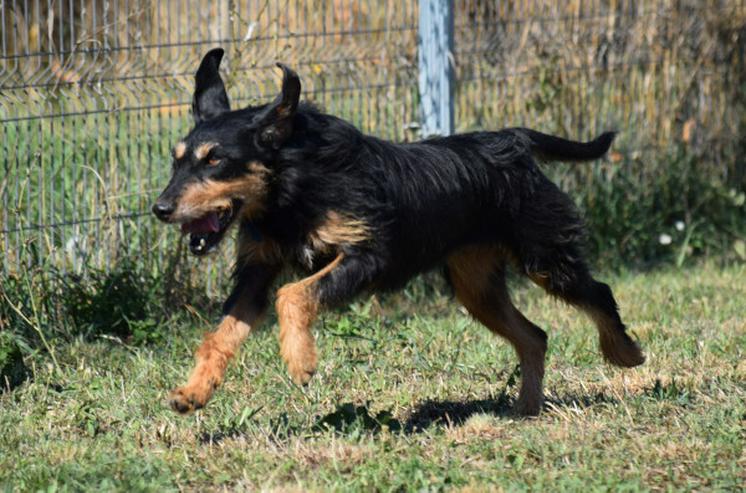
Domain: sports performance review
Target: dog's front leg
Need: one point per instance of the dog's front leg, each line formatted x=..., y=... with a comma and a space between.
x=298, y=305
x=243, y=311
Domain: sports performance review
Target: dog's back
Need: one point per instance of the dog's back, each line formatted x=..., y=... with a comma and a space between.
x=362, y=214
x=431, y=197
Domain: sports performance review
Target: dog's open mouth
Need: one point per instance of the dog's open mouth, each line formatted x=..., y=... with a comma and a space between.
x=206, y=231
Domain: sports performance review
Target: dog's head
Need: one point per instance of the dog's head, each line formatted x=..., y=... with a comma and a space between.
x=222, y=168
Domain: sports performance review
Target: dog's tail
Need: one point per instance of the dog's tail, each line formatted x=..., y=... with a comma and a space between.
x=554, y=148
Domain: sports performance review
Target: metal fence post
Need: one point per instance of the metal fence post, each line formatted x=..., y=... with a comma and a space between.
x=435, y=58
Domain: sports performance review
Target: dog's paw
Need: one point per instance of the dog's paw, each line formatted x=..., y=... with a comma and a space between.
x=299, y=353
x=621, y=350
x=528, y=407
x=302, y=369
x=186, y=400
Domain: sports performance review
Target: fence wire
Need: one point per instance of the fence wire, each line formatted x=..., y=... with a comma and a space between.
x=662, y=73
x=93, y=94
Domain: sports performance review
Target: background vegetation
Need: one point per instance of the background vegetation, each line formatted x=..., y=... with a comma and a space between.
x=95, y=94
x=100, y=307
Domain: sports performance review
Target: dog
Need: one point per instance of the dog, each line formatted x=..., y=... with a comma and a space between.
x=307, y=190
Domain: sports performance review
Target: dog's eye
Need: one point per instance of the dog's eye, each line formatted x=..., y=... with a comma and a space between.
x=214, y=161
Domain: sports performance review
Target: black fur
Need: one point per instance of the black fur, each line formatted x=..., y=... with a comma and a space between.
x=210, y=98
x=425, y=199
x=421, y=201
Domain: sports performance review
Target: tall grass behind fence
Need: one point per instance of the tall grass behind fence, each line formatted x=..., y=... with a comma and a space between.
x=668, y=75
x=94, y=94
x=662, y=72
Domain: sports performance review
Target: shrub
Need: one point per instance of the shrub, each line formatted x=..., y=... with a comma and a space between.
x=666, y=210
x=13, y=370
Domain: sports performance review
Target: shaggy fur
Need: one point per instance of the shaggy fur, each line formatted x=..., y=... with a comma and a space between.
x=359, y=214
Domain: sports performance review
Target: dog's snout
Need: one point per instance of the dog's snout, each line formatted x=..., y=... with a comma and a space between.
x=163, y=209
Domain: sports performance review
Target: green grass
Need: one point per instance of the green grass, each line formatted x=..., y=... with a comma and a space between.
x=410, y=395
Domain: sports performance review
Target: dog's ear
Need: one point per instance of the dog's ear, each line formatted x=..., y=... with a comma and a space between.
x=276, y=124
x=210, y=99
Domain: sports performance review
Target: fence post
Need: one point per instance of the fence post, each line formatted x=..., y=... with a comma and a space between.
x=435, y=58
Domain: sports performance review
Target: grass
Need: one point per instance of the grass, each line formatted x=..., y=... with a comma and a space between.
x=410, y=395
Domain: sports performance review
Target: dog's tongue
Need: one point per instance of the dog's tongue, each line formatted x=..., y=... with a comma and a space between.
x=208, y=223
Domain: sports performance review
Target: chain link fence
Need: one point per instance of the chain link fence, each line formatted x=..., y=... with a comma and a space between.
x=93, y=94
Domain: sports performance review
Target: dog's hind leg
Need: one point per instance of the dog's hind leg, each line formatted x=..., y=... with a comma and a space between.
x=547, y=246
x=478, y=277
x=571, y=281
x=243, y=311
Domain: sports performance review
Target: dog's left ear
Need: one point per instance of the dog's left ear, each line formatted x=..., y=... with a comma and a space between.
x=276, y=124
x=210, y=99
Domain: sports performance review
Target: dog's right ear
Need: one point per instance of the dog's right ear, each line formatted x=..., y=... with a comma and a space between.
x=210, y=99
x=276, y=124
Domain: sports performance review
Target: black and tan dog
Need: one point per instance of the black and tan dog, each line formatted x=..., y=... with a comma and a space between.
x=359, y=214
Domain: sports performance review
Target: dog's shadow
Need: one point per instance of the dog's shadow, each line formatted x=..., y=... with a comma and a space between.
x=349, y=418
x=442, y=413
x=428, y=414
x=434, y=413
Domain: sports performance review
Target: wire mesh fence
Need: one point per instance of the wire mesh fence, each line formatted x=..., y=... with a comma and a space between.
x=94, y=93
x=662, y=73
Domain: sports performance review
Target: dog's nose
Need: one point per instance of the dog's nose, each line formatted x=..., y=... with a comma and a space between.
x=163, y=210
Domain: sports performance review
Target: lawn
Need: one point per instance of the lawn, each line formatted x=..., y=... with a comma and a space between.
x=410, y=395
